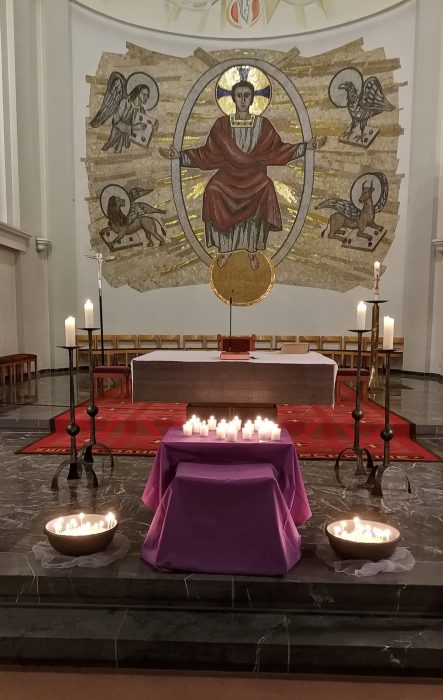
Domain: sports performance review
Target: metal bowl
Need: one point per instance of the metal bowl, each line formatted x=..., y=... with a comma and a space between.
x=80, y=545
x=349, y=549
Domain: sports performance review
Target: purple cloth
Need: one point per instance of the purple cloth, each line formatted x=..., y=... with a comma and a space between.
x=175, y=448
x=223, y=518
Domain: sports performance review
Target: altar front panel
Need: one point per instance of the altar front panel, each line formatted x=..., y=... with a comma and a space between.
x=201, y=377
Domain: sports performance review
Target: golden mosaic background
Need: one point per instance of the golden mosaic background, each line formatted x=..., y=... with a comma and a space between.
x=313, y=261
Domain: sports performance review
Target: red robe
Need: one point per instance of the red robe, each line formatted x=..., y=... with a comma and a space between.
x=240, y=189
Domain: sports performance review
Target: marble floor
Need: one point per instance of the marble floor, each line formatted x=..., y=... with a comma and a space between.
x=27, y=502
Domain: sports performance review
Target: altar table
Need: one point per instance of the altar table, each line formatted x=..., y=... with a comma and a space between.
x=200, y=376
x=225, y=507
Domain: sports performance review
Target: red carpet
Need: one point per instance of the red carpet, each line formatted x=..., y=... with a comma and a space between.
x=319, y=432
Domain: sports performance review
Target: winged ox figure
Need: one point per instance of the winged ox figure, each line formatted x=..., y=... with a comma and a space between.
x=364, y=104
x=128, y=101
x=348, y=216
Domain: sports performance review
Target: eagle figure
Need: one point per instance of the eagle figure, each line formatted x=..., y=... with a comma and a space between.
x=364, y=104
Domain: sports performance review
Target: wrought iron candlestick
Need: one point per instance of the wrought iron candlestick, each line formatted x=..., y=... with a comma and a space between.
x=386, y=434
x=374, y=381
x=357, y=415
x=75, y=464
x=92, y=411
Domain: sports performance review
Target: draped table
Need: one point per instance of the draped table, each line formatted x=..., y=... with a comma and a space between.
x=225, y=507
x=200, y=376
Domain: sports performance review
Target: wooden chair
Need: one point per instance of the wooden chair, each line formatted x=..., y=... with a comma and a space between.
x=313, y=340
x=125, y=349
x=211, y=342
x=169, y=342
x=82, y=354
x=332, y=346
x=194, y=342
x=119, y=373
x=147, y=343
x=279, y=339
x=350, y=345
x=349, y=374
x=108, y=350
x=263, y=342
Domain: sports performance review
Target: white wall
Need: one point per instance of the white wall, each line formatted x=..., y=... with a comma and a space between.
x=195, y=309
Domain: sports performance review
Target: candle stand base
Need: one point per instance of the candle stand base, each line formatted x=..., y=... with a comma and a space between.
x=87, y=450
x=357, y=415
x=75, y=463
x=374, y=482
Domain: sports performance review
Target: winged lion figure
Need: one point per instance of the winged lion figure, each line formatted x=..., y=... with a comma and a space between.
x=127, y=216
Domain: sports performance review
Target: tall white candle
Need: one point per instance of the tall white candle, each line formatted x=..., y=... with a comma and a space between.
x=388, y=333
x=376, y=287
x=89, y=314
x=361, y=316
x=70, y=331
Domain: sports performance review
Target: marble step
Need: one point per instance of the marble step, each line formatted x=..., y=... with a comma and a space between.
x=228, y=641
x=311, y=586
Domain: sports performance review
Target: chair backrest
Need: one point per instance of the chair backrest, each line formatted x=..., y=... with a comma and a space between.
x=294, y=348
x=279, y=339
x=168, y=341
x=263, y=342
x=126, y=341
x=331, y=342
x=312, y=340
x=148, y=342
x=236, y=343
x=211, y=342
x=108, y=341
x=194, y=342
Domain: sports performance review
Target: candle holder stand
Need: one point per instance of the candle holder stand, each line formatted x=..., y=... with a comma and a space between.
x=92, y=410
x=75, y=464
x=374, y=383
x=357, y=415
x=386, y=434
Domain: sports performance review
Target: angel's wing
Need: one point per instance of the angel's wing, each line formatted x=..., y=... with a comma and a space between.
x=139, y=209
x=344, y=206
x=372, y=97
x=137, y=192
x=115, y=92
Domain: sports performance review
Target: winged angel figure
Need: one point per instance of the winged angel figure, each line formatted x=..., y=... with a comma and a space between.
x=128, y=102
x=126, y=216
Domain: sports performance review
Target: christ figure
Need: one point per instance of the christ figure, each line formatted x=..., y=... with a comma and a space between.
x=240, y=204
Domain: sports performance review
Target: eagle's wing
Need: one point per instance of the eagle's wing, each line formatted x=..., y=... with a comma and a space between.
x=139, y=209
x=137, y=192
x=115, y=92
x=344, y=206
x=372, y=97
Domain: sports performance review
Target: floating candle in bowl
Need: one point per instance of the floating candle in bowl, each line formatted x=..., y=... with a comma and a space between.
x=81, y=534
x=362, y=539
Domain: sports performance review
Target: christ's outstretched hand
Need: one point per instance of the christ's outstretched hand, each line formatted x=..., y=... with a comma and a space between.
x=316, y=142
x=170, y=153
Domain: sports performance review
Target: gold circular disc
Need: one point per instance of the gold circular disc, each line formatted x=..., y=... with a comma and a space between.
x=238, y=280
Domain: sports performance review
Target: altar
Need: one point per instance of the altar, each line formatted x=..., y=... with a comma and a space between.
x=194, y=376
